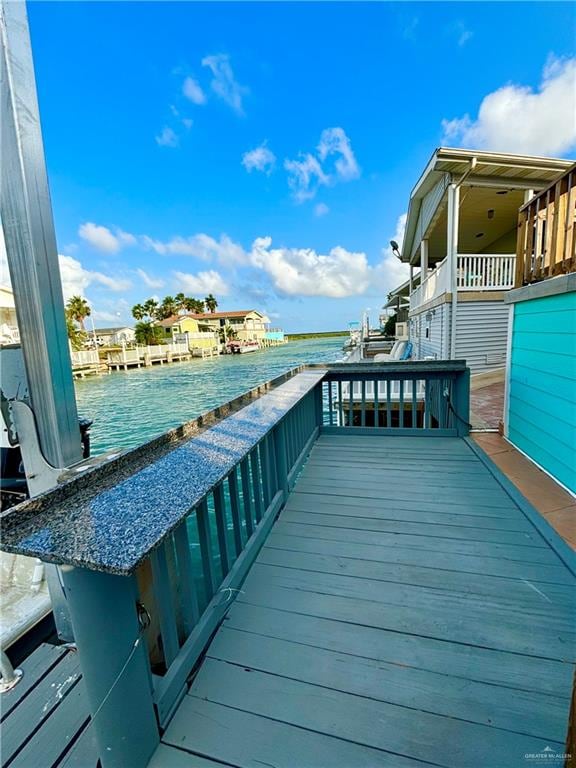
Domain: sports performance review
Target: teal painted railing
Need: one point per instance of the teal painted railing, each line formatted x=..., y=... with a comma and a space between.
x=200, y=565
x=417, y=398
x=165, y=549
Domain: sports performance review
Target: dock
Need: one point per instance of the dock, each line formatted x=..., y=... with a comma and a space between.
x=319, y=593
x=146, y=356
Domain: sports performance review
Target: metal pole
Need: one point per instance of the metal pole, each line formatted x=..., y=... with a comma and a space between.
x=26, y=215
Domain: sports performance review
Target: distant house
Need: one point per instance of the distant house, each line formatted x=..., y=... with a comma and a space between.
x=249, y=324
x=461, y=233
x=114, y=337
x=199, y=335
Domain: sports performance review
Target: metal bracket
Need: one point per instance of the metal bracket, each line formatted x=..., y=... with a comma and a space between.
x=40, y=475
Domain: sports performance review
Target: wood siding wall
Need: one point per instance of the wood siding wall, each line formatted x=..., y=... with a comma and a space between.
x=541, y=409
x=481, y=334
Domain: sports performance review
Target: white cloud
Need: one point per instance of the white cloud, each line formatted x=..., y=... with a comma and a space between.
x=304, y=272
x=462, y=33
x=334, y=141
x=202, y=283
x=200, y=246
x=517, y=118
x=304, y=177
x=309, y=172
x=187, y=123
x=103, y=239
x=151, y=282
x=75, y=279
x=259, y=159
x=167, y=138
x=321, y=209
x=223, y=82
x=193, y=92
x=99, y=237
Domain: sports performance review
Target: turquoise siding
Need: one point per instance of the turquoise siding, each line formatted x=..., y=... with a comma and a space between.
x=274, y=335
x=542, y=403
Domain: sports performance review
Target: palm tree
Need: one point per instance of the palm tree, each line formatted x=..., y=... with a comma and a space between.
x=180, y=300
x=211, y=303
x=167, y=308
x=78, y=309
x=195, y=305
x=151, y=308
x=138, y=312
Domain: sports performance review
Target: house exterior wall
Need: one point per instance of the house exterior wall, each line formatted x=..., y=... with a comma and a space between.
x=541, y=377
x=481, y=334
x=429, y=333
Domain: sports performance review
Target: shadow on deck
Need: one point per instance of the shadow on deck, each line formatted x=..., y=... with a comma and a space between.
x=403, y=611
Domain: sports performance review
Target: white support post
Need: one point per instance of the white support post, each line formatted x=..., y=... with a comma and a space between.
x=412, y=278
x=423, y=261
x=452, y=253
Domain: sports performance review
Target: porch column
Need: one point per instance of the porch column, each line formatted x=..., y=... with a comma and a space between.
x=411, y=277
x=452, y=254
x=423, y=260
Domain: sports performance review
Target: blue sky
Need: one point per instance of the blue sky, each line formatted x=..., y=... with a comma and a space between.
x=265, y=151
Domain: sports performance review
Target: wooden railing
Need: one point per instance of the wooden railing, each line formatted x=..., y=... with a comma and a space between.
x=157, y=552
x=435, y=284
x=546, y=243
x=420, y=398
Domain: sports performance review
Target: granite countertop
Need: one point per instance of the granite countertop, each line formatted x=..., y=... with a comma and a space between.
x=112, y=524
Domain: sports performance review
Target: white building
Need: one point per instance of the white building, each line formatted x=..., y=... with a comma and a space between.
x=114, y=337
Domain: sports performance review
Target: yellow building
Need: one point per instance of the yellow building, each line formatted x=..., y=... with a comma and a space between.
x=201, y=339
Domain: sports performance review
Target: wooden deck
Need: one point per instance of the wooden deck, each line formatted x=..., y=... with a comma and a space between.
x=404, y=611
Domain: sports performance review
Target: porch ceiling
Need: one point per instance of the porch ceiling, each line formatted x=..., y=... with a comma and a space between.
x=475, y=203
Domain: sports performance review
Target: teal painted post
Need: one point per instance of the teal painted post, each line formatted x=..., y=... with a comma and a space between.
x=164, y=603
x=246, y=497
x=318, y=406
x=221, y=527
x=256, y=484
x=340, y=405
x=279, y=437
x=205, y=541
x=401, y=404
x=388, y=403
x=264, y=463
x=363, y=406
x=461, y=402
x=235, y=511
x=186, y=584
x=114, y=663
x=376, y=405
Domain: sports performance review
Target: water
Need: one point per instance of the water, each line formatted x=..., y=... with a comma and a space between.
x=131, y=407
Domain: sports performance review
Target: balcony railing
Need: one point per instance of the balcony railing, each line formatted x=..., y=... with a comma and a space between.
x=475, y=272
x=159, y=541
x=546, y=244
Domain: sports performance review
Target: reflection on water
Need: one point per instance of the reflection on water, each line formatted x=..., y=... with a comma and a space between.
x=131, y=407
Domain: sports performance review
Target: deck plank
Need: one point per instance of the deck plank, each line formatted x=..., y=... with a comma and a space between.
x=443, y=740
x=403, y=611
x=34, y=668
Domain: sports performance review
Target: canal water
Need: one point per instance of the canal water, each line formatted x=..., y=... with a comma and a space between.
x=131, y=407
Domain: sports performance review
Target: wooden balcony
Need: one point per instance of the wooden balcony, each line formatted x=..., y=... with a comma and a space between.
x=309, y=582
x=546, y=244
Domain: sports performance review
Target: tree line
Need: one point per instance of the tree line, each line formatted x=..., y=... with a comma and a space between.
x=152, y=309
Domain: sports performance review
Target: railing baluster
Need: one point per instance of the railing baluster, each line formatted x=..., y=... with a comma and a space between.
x=376, y=405
x=246, y=498
x=340, y=404
x=235, y=511
x=414, y=404
x=221, y=527
x=351, y=405
x=363, y=403
x=330, y=406
x=256, y=485
x=164, y=604
x=388, y=403
x=205, y=541
x=266, y=479
x=186, y=584
x=401, y=403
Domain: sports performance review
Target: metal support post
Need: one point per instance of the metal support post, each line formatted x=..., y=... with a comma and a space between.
x=115, y=670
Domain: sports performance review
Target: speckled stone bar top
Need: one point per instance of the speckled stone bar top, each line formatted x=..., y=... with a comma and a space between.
x=111, y=525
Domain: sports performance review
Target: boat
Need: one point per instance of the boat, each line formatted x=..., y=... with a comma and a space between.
x=241, y=347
